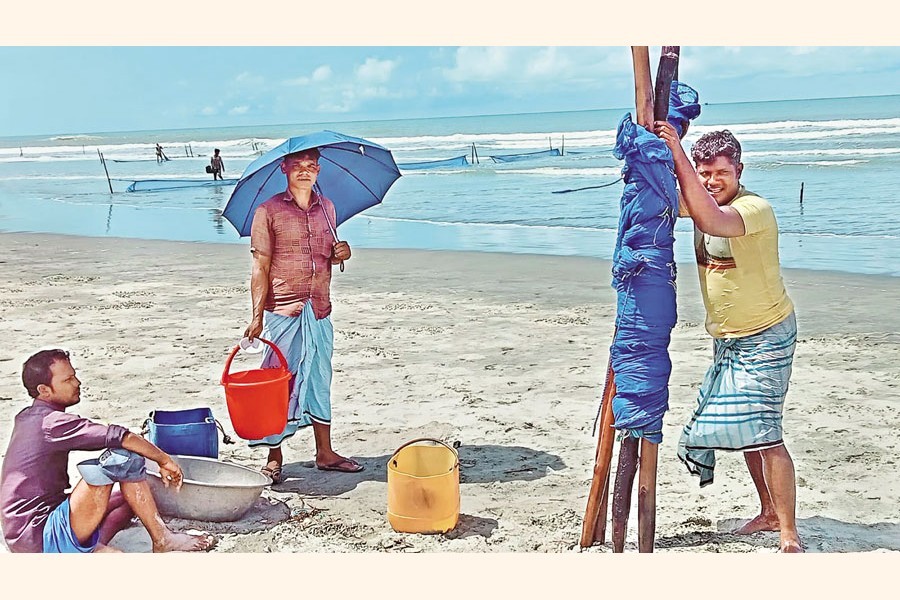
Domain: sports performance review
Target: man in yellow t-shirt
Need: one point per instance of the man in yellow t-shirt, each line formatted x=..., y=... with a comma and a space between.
x=751, y=319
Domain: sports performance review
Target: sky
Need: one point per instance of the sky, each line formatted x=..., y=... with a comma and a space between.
x=82, y=89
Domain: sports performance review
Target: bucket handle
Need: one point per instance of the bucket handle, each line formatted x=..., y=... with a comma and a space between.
x=426, y=439
x=278, y=353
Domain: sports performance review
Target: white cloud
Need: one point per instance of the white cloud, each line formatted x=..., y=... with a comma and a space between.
x=375, y=71
x=548, y=62
x=239, y=110
x=321, y=73
x=297, y=81
x=208, y=111
x=479, y=64
x=248, y=78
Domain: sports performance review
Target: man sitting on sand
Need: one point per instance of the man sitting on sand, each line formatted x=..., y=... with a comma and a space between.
x=751, y=319
x=36, y=515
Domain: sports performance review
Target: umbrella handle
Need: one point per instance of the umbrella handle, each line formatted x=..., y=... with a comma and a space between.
x=327, y=220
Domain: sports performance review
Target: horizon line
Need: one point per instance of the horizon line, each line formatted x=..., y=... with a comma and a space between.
x=389, y=120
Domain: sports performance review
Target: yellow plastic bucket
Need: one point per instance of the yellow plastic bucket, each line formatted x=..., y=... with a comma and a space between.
x=423, y=487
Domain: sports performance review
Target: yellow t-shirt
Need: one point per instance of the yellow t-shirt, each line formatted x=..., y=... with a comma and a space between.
x=740, y=277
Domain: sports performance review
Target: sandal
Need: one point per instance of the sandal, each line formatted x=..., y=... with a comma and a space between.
x=346, y=465
x=273, y=473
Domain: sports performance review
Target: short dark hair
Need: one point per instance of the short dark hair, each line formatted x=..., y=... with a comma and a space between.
x=216, y=150
x=312, y=153
x=36, y=370
x=714, y=144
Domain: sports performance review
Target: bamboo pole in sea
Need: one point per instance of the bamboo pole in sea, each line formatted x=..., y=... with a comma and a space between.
x=103, y=162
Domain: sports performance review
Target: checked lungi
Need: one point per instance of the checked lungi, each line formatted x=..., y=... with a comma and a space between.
x=741, y=399
x=307, y=344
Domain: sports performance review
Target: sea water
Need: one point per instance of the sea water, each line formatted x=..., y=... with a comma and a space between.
x=845, y=152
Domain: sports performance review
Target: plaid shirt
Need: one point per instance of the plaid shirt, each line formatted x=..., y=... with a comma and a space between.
x=300, y=244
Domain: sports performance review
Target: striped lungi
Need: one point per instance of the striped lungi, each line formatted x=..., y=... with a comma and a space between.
x=741, y=398
x=307, y=344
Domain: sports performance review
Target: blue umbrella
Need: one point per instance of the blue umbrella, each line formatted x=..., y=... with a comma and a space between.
x=355, y=175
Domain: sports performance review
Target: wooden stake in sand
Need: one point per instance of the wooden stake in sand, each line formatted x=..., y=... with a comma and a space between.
x=593, y=528
x=632, y=451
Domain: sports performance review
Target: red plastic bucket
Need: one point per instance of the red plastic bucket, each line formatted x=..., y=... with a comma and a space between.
x=257, y=399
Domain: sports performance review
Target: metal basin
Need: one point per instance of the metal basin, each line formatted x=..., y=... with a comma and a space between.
x=212, y=490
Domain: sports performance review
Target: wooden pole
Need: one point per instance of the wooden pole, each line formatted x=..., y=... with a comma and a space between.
x=103, y=162
x=665, y=73
x=801, y=192
x=647, y=496
x=563, y=150
x=593, y=527
x=643, y=86
x=628, y=459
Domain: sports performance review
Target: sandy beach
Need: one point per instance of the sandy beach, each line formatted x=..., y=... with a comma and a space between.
x=505, y=354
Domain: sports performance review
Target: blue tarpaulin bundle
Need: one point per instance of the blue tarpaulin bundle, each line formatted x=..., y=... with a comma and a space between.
x=644, y=274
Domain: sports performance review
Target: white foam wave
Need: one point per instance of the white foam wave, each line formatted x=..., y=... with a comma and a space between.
x=822, y=163
x=52, y=177
x=73, y=138
x=824, y=152
x=563, y=172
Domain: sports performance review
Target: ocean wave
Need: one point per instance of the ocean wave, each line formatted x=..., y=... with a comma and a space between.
x=73, y=138
x=54, y=178
x=821, y=163
x=567, y=172
x=823, y=152
x=828, y=124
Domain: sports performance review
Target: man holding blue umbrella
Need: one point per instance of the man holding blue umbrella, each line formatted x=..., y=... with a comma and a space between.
x=294, y=245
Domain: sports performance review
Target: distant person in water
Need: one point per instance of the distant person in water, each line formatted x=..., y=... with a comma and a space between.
x=217, y=165
x=160, y=155
x=36, y=514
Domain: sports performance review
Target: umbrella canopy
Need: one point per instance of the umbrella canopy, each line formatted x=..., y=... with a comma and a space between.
x=355, y=174
x=644, y=273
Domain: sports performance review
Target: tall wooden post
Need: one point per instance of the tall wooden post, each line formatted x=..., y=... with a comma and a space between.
x=665, y=73
x=103, y=162
x=643, y=86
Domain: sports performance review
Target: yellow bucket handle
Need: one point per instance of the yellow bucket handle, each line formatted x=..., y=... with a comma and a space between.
x=425, y=439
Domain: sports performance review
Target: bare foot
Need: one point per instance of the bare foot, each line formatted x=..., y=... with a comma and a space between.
x=104, y=548
x=762, y=522
x=791, y=547
x=185, y=542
